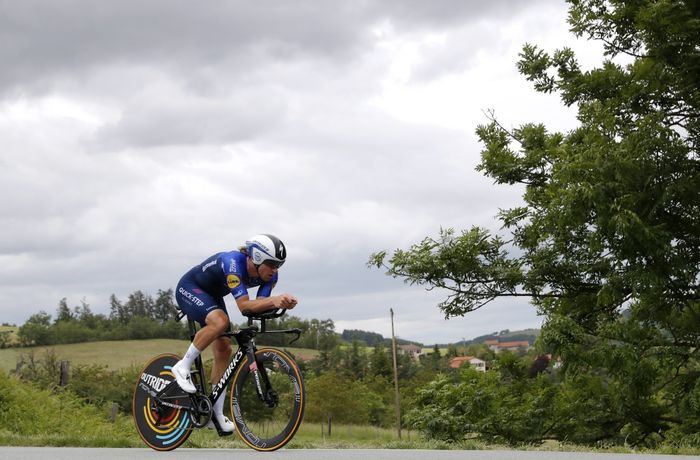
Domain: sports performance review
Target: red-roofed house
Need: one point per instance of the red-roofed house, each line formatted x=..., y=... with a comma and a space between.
x=476, y=363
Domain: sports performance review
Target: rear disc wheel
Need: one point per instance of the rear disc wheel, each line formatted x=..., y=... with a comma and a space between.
x=161, y=427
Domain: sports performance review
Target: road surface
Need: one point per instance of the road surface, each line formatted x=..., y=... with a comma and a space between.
x=73, y=453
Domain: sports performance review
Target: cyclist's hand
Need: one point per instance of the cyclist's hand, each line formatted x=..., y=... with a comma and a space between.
x=286, y=301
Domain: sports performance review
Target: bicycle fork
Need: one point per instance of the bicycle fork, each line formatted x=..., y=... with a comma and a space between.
x=262, y=383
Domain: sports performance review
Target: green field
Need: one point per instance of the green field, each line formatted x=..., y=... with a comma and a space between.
x=116, y=355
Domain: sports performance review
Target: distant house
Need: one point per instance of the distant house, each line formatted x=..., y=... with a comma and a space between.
x=497, y=346
x=476, y=363
x=414, y=351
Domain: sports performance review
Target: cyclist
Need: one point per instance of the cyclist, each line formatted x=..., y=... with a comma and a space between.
x=200, y=294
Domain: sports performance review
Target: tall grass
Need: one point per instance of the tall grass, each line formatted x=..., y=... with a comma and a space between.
x=32, y=416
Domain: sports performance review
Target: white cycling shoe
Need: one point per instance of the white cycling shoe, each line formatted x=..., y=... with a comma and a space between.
x=225, y=425
x=183, y=378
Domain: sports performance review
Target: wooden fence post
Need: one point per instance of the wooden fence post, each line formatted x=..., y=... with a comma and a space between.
x=115, y=410
x=65, y=372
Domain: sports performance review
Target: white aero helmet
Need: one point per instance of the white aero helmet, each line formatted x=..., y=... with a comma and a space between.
x=266, y=247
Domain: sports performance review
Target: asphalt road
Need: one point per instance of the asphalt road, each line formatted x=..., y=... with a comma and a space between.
x=71, y=453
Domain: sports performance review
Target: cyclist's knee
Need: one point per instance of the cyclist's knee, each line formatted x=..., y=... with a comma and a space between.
x=218, y=321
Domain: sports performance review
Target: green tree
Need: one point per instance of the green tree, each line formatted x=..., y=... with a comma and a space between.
x=380, y=363
x=356, y=360
x=36, y=330
x=345, y=399
x=607, y=241
x=117, y=311
x=63, y=312
x=452, y=350
x=323, y=332
x=164, y=306
x=140, y=304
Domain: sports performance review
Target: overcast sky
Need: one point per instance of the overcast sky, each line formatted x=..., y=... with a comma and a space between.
x=140, y=137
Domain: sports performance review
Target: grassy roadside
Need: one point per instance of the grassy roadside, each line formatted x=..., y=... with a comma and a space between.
x=31, y=416
x=122, y=434
x=38, y=417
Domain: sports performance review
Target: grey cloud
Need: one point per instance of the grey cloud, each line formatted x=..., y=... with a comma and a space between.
x=370, y=156
x=177, y=120
x=445, y=13
x=41, y=42
x=223, y=121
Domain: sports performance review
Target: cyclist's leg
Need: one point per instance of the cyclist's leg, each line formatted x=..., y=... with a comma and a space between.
x=219, y=323
x=199, y=306
x=222, y=356
x=221, y=348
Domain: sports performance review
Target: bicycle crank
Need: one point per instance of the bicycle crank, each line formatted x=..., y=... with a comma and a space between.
x=201, y=410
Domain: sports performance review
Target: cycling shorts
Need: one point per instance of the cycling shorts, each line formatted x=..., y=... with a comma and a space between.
x=195, y=302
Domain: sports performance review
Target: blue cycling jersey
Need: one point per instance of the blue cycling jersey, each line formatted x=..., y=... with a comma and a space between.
x=227, y=272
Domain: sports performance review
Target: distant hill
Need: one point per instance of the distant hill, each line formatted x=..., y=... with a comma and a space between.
x=373, y=338
x=505, y=336
x=370, y=338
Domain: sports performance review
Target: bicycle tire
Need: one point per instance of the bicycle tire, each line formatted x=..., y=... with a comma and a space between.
x=169, y=429
x=260, y=427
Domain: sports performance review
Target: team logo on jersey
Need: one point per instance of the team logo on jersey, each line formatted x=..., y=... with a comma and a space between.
x=233, y=281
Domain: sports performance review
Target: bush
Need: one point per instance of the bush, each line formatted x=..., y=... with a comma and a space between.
x=27, y=413
x=490, y=405
x=98, y=385
x=343, y=399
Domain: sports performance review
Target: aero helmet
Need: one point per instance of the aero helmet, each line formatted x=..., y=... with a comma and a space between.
x=266, y=247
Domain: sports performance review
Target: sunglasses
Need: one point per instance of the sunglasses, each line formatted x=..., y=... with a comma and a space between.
x=273, y=263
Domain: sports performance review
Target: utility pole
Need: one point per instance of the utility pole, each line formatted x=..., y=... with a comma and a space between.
x=396, y=376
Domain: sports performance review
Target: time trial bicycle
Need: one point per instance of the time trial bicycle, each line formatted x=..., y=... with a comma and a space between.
x=267, y=395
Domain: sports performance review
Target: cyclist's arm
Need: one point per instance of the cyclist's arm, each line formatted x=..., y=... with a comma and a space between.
x=261, y=304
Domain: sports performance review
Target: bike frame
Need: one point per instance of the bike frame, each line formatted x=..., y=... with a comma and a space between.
x=246, y=347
